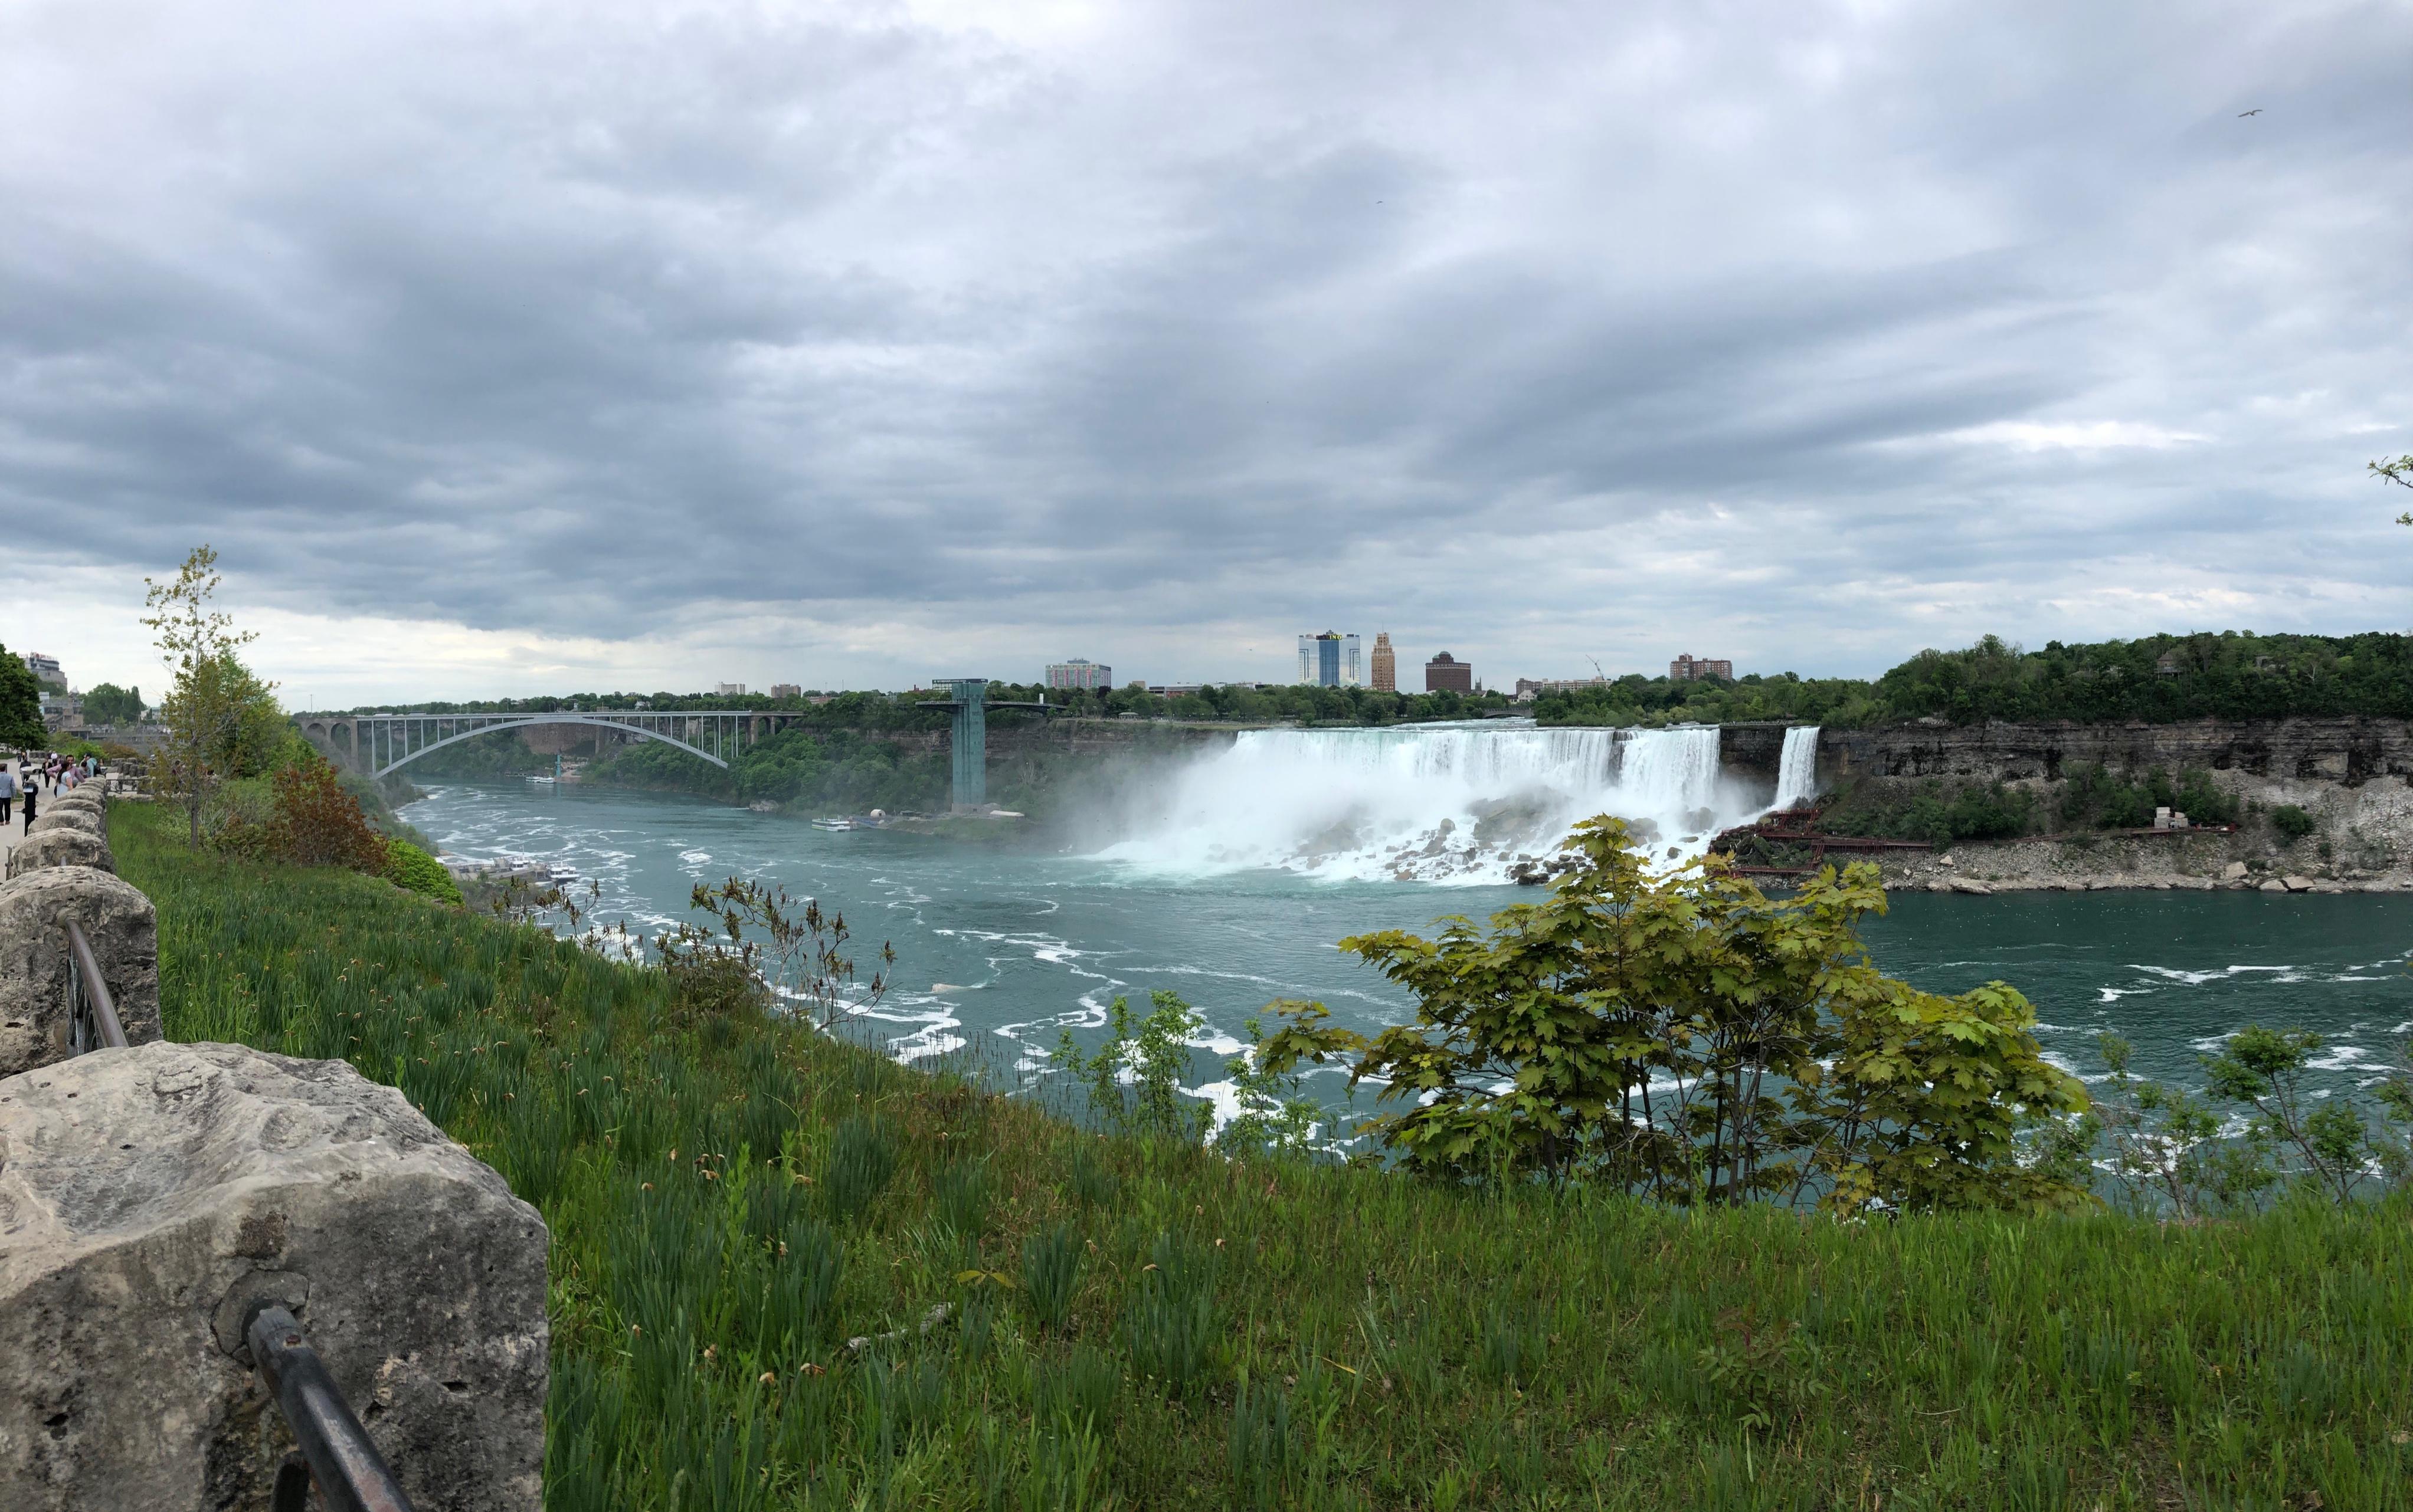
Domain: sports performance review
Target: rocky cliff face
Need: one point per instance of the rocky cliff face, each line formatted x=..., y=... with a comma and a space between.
x=2354, y=776
x=2347, y=752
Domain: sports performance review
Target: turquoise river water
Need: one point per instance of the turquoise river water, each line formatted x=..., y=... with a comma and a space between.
x=1004, y=951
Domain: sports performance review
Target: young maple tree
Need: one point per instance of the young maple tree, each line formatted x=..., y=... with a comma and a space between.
x=1688, y=1038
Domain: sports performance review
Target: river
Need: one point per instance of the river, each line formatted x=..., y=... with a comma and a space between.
x=1003, y=950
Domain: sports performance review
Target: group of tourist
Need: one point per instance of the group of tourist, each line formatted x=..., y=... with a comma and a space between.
x=27, y=779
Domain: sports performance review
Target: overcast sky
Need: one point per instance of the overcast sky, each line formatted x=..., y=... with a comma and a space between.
x=508, y=347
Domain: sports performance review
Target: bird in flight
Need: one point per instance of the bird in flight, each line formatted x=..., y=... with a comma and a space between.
x=2242, y=115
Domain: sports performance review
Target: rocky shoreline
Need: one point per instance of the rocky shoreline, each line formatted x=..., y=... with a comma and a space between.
x=2165, y=865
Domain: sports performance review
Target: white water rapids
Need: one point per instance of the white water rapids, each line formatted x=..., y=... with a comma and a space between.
x=1435, y=804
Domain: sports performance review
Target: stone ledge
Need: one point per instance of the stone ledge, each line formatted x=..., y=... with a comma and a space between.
x=141, y=1190
x=124, y=930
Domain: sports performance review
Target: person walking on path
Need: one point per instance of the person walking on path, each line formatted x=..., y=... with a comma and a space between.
x=8, y=791
x=32, y=791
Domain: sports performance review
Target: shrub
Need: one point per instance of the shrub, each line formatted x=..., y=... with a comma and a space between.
x=1931, y=811
x=314, y=822
x=413, y=870
x=1134, y=1079
x=2292, y=822
x=2092, y=797
x=1688, y=1038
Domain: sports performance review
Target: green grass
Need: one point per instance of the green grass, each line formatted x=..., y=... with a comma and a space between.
x=1142, y=1324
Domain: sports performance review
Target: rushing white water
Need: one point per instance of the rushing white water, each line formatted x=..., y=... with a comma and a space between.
x=1797, y=770
x=1432, y=804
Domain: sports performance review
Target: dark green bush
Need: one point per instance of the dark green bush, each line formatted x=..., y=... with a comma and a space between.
x=1932, y=811
x=414, y=871
x=2092, y=799
x=2292, y=822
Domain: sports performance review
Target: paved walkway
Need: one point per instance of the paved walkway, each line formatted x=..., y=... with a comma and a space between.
x=12, y=834
x=14, y=831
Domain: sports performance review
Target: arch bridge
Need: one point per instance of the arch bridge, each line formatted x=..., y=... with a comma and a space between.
x=382, y=743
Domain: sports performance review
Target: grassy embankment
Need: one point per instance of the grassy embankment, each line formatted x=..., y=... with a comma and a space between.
x=1184, y=1331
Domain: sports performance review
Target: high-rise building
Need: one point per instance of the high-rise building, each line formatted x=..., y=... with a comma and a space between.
x=786, y=690
x=1386, y=664
x=1328, y=660
x=1080, y=672
x=46, y=670
x=731, y=689
x=1445, y=673
x=1690, y=668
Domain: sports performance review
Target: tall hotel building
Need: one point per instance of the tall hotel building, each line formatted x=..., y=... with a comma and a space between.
x=1386, y=664
x=1328, y=660
x=1080, y=672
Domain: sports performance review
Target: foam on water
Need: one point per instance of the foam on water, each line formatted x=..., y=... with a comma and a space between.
x=1452, y=805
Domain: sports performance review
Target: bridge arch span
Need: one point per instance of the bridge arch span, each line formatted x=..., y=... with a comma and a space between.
x=380, y=744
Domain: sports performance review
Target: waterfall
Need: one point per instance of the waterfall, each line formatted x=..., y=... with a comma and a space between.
x=1449, y=803
x=1797, y=770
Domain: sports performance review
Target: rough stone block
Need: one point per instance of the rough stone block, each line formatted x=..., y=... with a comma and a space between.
x=69, y=817
x=60, y=847
x=148, y=1196
x=124, y=930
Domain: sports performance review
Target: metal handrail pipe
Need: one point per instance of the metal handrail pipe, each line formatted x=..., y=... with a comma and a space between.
x=92, y=991
x=352, y=1475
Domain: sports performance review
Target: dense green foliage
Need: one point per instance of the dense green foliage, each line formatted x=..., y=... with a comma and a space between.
x=109, y=704
x=1683, y=1037
x=1655, y=701
x=2292, y=822
x=20, y=703
x=1138, y=1324
x=413, y=870
x=2158, y=679
x=2088, y=797
x=1932, y=809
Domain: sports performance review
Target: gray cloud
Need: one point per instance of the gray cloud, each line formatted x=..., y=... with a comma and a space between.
x=1804, y=333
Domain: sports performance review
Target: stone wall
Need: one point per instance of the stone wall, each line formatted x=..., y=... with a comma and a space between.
x=64, y=869
x=149, y=1196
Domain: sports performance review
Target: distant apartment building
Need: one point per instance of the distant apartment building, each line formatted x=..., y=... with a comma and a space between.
x=1693, y=668
x=1328, y=660
x=1445, y=673
x=1080, y=672
x=1530, y=688
x=729, y=690
x=786, y=690
x=1386, y=664
x=46, y=670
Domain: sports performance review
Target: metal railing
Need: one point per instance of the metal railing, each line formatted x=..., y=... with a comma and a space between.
x=335, y=1453
x=92, y=1014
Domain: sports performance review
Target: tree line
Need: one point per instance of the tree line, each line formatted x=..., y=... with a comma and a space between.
x=2157, y=679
